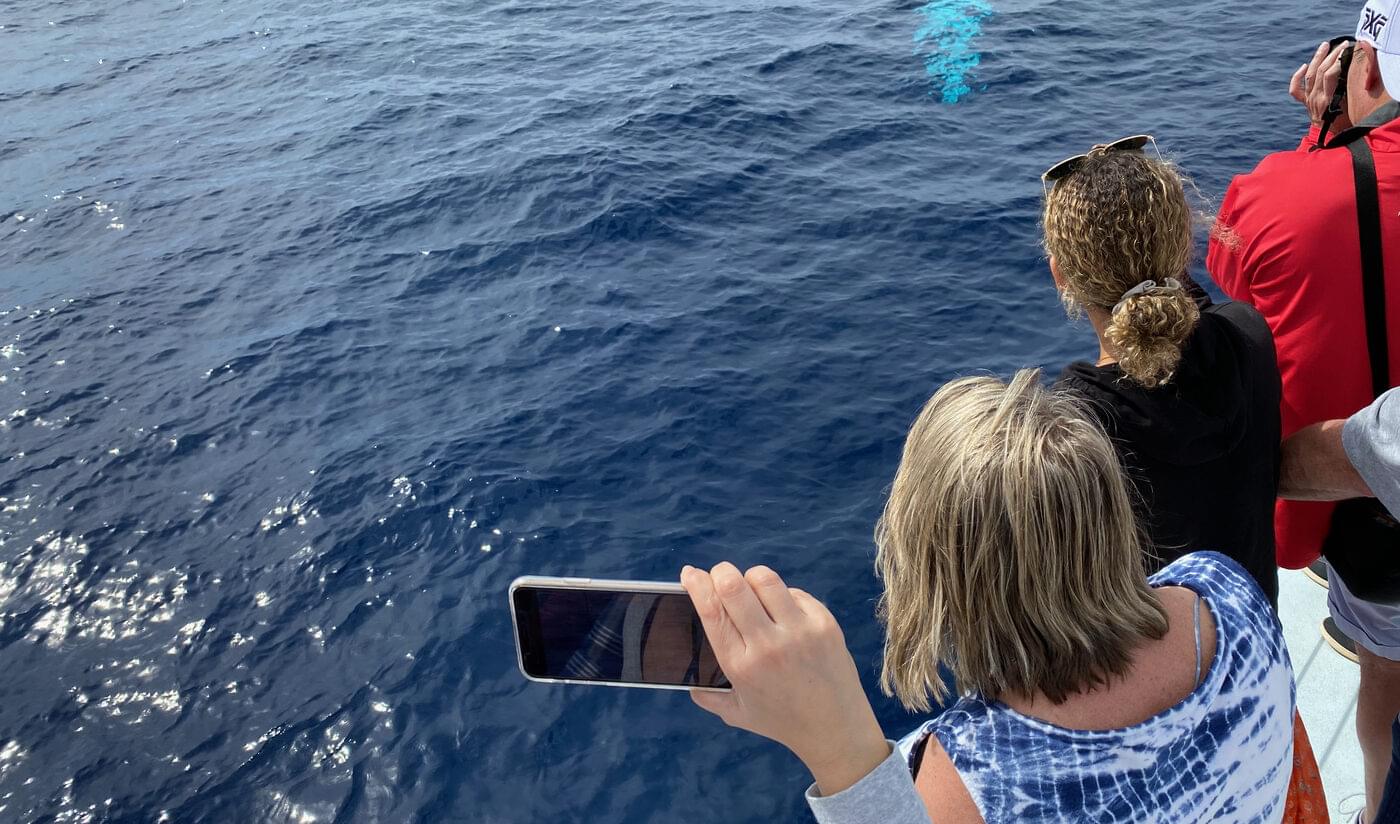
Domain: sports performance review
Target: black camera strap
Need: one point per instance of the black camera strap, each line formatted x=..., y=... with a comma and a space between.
x=1363, y=537
x=1368, y=222
x=1337, y=105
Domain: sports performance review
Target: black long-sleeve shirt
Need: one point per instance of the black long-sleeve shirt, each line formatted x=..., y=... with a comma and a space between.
x=1203, y=450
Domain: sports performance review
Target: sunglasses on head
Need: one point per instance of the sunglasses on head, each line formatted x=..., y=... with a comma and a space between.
x=1070, y=165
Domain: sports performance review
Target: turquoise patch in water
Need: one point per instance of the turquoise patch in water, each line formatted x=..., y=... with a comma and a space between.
x=945, y=41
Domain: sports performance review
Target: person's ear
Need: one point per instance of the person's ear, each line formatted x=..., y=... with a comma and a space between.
x=1372, y=77
x=1055, y=273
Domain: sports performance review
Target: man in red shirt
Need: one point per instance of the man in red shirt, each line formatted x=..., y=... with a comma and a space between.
x=1287, y=240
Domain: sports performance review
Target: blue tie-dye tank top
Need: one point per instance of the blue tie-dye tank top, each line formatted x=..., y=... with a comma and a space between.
x=1225, y=753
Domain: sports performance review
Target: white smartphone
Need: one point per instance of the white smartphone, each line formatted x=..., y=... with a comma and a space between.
x=615, y=633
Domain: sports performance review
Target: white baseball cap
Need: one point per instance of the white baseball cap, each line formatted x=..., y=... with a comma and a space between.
x=1375, y=27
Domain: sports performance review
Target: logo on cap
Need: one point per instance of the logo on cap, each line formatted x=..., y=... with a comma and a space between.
x=1374, y=23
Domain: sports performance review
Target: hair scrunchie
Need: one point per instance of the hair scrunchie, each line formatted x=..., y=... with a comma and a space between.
x=1147, y=287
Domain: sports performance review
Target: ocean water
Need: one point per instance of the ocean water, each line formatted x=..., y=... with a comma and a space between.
x=322, y=321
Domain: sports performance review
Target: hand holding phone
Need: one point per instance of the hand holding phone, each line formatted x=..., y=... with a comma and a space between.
x=614, y=633
x=793, y=679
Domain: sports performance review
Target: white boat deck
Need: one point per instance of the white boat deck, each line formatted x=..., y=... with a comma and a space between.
x=1326, y=693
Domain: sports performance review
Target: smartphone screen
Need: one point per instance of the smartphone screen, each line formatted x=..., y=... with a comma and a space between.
x=613, y=636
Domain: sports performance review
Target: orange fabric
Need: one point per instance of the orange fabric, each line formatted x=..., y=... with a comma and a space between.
x=1307, y=803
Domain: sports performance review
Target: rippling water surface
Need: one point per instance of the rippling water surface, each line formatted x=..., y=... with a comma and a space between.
x=322, y=321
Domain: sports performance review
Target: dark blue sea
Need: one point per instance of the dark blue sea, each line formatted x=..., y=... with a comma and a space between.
x=320, y=322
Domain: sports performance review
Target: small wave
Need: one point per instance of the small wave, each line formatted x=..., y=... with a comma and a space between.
x=822, y=55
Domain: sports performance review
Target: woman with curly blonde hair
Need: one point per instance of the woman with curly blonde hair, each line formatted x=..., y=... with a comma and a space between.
x=1188, y=389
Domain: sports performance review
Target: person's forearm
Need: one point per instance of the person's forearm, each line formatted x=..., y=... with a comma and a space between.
x=854, y=755
x=1315, y=466
x=886, y=795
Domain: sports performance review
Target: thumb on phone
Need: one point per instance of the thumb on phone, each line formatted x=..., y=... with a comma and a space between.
x=1296, y=85
x=718, y=703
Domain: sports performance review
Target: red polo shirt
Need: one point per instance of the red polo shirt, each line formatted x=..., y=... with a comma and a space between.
x=1286, y=240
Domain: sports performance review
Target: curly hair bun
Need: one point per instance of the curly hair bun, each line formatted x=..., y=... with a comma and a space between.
x=1147, y=333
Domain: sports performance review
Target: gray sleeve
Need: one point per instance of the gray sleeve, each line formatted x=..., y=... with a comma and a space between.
x=1371, y=438
x=885, y=796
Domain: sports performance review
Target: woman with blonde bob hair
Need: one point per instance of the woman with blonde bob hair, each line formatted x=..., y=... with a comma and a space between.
x=1011, y=559
x=1188, y=389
